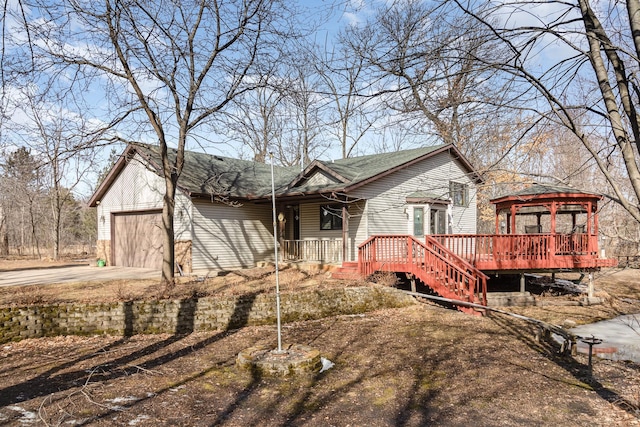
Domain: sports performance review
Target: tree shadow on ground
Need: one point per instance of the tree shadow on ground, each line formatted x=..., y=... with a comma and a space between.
x=551, y=351
x=307, y=394
x=48, y=382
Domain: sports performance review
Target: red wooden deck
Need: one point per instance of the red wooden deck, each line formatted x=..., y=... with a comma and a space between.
x=454, y=266
x=527, y=252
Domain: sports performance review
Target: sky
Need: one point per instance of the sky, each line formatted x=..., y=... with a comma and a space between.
x=22, y=118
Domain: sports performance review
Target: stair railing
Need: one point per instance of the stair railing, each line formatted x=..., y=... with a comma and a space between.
x=432, y=262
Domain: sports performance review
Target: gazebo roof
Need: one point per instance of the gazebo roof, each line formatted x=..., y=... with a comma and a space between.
x=545, y=192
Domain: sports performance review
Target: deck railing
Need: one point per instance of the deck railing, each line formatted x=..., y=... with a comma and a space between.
x=443, y=271
x=329, y=251
x=518, y=250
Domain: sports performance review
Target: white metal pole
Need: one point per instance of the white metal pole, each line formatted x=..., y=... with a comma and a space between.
x=275, y=251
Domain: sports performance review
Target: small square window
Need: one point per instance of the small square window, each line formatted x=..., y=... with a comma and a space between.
x=459, y=193
x=331, y=217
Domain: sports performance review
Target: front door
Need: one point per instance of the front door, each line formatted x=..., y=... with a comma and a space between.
x=296, y=222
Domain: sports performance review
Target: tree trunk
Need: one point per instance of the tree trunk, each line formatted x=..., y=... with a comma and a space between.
x=168, y=241
x=4, y=236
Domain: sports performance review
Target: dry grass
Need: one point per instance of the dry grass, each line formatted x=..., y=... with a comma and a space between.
x=420, y=365
x=255, y=280
x=416, y=366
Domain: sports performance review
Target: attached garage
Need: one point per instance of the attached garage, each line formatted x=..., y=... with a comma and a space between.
x=137, y=238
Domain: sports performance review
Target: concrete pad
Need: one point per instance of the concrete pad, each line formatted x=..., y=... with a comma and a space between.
x=81, y=273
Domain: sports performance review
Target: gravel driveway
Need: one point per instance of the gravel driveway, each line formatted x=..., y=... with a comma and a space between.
x=80, y=273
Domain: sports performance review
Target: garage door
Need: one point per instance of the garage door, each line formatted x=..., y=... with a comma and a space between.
x=138, y=239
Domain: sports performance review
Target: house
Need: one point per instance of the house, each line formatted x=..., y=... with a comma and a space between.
x=223, y=214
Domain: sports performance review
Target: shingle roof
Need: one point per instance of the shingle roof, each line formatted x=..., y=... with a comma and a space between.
x=541, y=188
x=539, y=191
x=205, y=174
x=210, y=174
x=361, y=168
x=357, y=170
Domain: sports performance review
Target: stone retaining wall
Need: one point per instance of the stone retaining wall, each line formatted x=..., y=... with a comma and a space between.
x=190, y=315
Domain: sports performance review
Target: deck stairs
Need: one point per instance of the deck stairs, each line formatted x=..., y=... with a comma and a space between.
x=437, y=267
x=348, y=271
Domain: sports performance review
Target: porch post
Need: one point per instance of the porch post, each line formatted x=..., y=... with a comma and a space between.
x=512, y=220
x=281, y=230
x=345, y=232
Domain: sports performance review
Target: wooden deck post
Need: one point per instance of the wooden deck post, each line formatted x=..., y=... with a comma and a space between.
x=522, y=283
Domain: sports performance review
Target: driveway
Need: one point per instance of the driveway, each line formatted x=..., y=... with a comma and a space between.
x=80, y=273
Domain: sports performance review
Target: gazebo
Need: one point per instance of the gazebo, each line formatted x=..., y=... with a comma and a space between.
x=543, y=228
x=548, y=228
x=549, y=201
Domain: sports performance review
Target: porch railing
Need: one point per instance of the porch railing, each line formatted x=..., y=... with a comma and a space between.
x=329, y=251
x=504, y=248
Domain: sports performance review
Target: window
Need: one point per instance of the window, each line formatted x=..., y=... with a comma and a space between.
x=438, y=221
x=418, y=222
x=459, y=193
x=331, y=217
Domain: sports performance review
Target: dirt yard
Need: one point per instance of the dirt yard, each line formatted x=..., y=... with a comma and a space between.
x=421, y=365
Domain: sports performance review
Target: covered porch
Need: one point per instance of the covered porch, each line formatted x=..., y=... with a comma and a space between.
x=318, y=231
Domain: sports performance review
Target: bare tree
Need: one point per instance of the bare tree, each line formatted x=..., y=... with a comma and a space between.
x=577, y=66
x=256, y=119
x=165, y=67
x=60, y=139
x=23, y=195
x=304, y=99
x=423, y=57
x=353, y=112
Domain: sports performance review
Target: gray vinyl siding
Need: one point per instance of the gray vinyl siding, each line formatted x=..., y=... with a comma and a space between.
x=138, y=189
x=226, y=237
x=310, y=225
x=386, y=197
x=320, y=178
